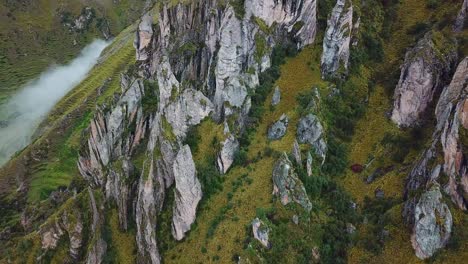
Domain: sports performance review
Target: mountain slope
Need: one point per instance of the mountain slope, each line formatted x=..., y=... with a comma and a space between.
x=224, y=120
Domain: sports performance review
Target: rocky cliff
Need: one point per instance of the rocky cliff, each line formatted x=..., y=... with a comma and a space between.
x=425, y=71
x=430, y=234
x=192, y=73
x=336, y=43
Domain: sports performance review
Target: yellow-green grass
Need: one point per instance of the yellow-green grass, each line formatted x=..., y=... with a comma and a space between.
x=32, y=37
x=366, y=145
x=296, y=76
x=123, y=243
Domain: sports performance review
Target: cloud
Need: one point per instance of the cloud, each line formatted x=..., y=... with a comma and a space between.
x=31, y=104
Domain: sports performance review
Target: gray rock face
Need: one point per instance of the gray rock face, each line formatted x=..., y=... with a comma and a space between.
x=260, y=232
x=97, y=249
x=278, y=129
x=453, y=108
x=187, y=193
x=236, y=47
x=189, y=109
x=276, y=96
x=337, y=39
x=151, y=194
x=309, y=164
x=310, y=130
x=460, y=22
x=287, y=185
x=287, y=14
x=422, y=75
x=296, y=152
x=227, y=154
x=143, y=38
x=67, y=222
x=428, y=214
x=104, y=160
x=433, y=224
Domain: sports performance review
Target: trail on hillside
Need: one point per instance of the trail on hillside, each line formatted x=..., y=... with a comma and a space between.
x=25, y=110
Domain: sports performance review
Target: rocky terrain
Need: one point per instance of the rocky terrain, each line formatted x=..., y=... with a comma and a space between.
x=294, y=131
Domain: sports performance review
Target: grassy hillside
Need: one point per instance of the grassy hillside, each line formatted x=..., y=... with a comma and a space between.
x=33, y=34
x=354, y=113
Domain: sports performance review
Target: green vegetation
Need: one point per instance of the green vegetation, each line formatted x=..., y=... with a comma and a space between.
x=32, y=34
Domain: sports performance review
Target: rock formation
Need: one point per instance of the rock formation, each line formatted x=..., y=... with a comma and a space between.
x=335, y=56
x=197, y=61
x=276, y=96
x=298, y=17
x=260, y=232
x=433, y=224
x=278, y=129
x=423, y=73
x=227, y=154
x=310, y=130
x=460, y=22
x=453, y=107
x=287, y=185
x=430, y=232
x=97, y=249
x=143, y=38
x=104, y=160
x=187, y=193
x=309, y=164
x=67, y=222
x=296, y=152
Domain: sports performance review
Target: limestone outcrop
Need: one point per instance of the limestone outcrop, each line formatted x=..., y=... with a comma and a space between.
x=336, y=43
x=187, y=191
x=261, y=232
x=68, y=222
x=461, y=22
x=298, y=17
x=424, y=72
x=287, y=186
x=433, y=224
x=453, y=108
x=429, y=233
x=229, y=148
x=278, y=129
x=310, y=130
x=143, y=38
x=276, y=96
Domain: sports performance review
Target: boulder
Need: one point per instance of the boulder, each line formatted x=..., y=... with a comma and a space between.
x=278, y=129
x=309, y=164
x=337, y=39
x=310, y=130
x=433, y=224
x=296, y=152
x=187, y=192
x=276, y=96
x=226, y=156
x=350, y=228
x=287, y=185
x=260, y=232
x=295, y=219
x=423, y=73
